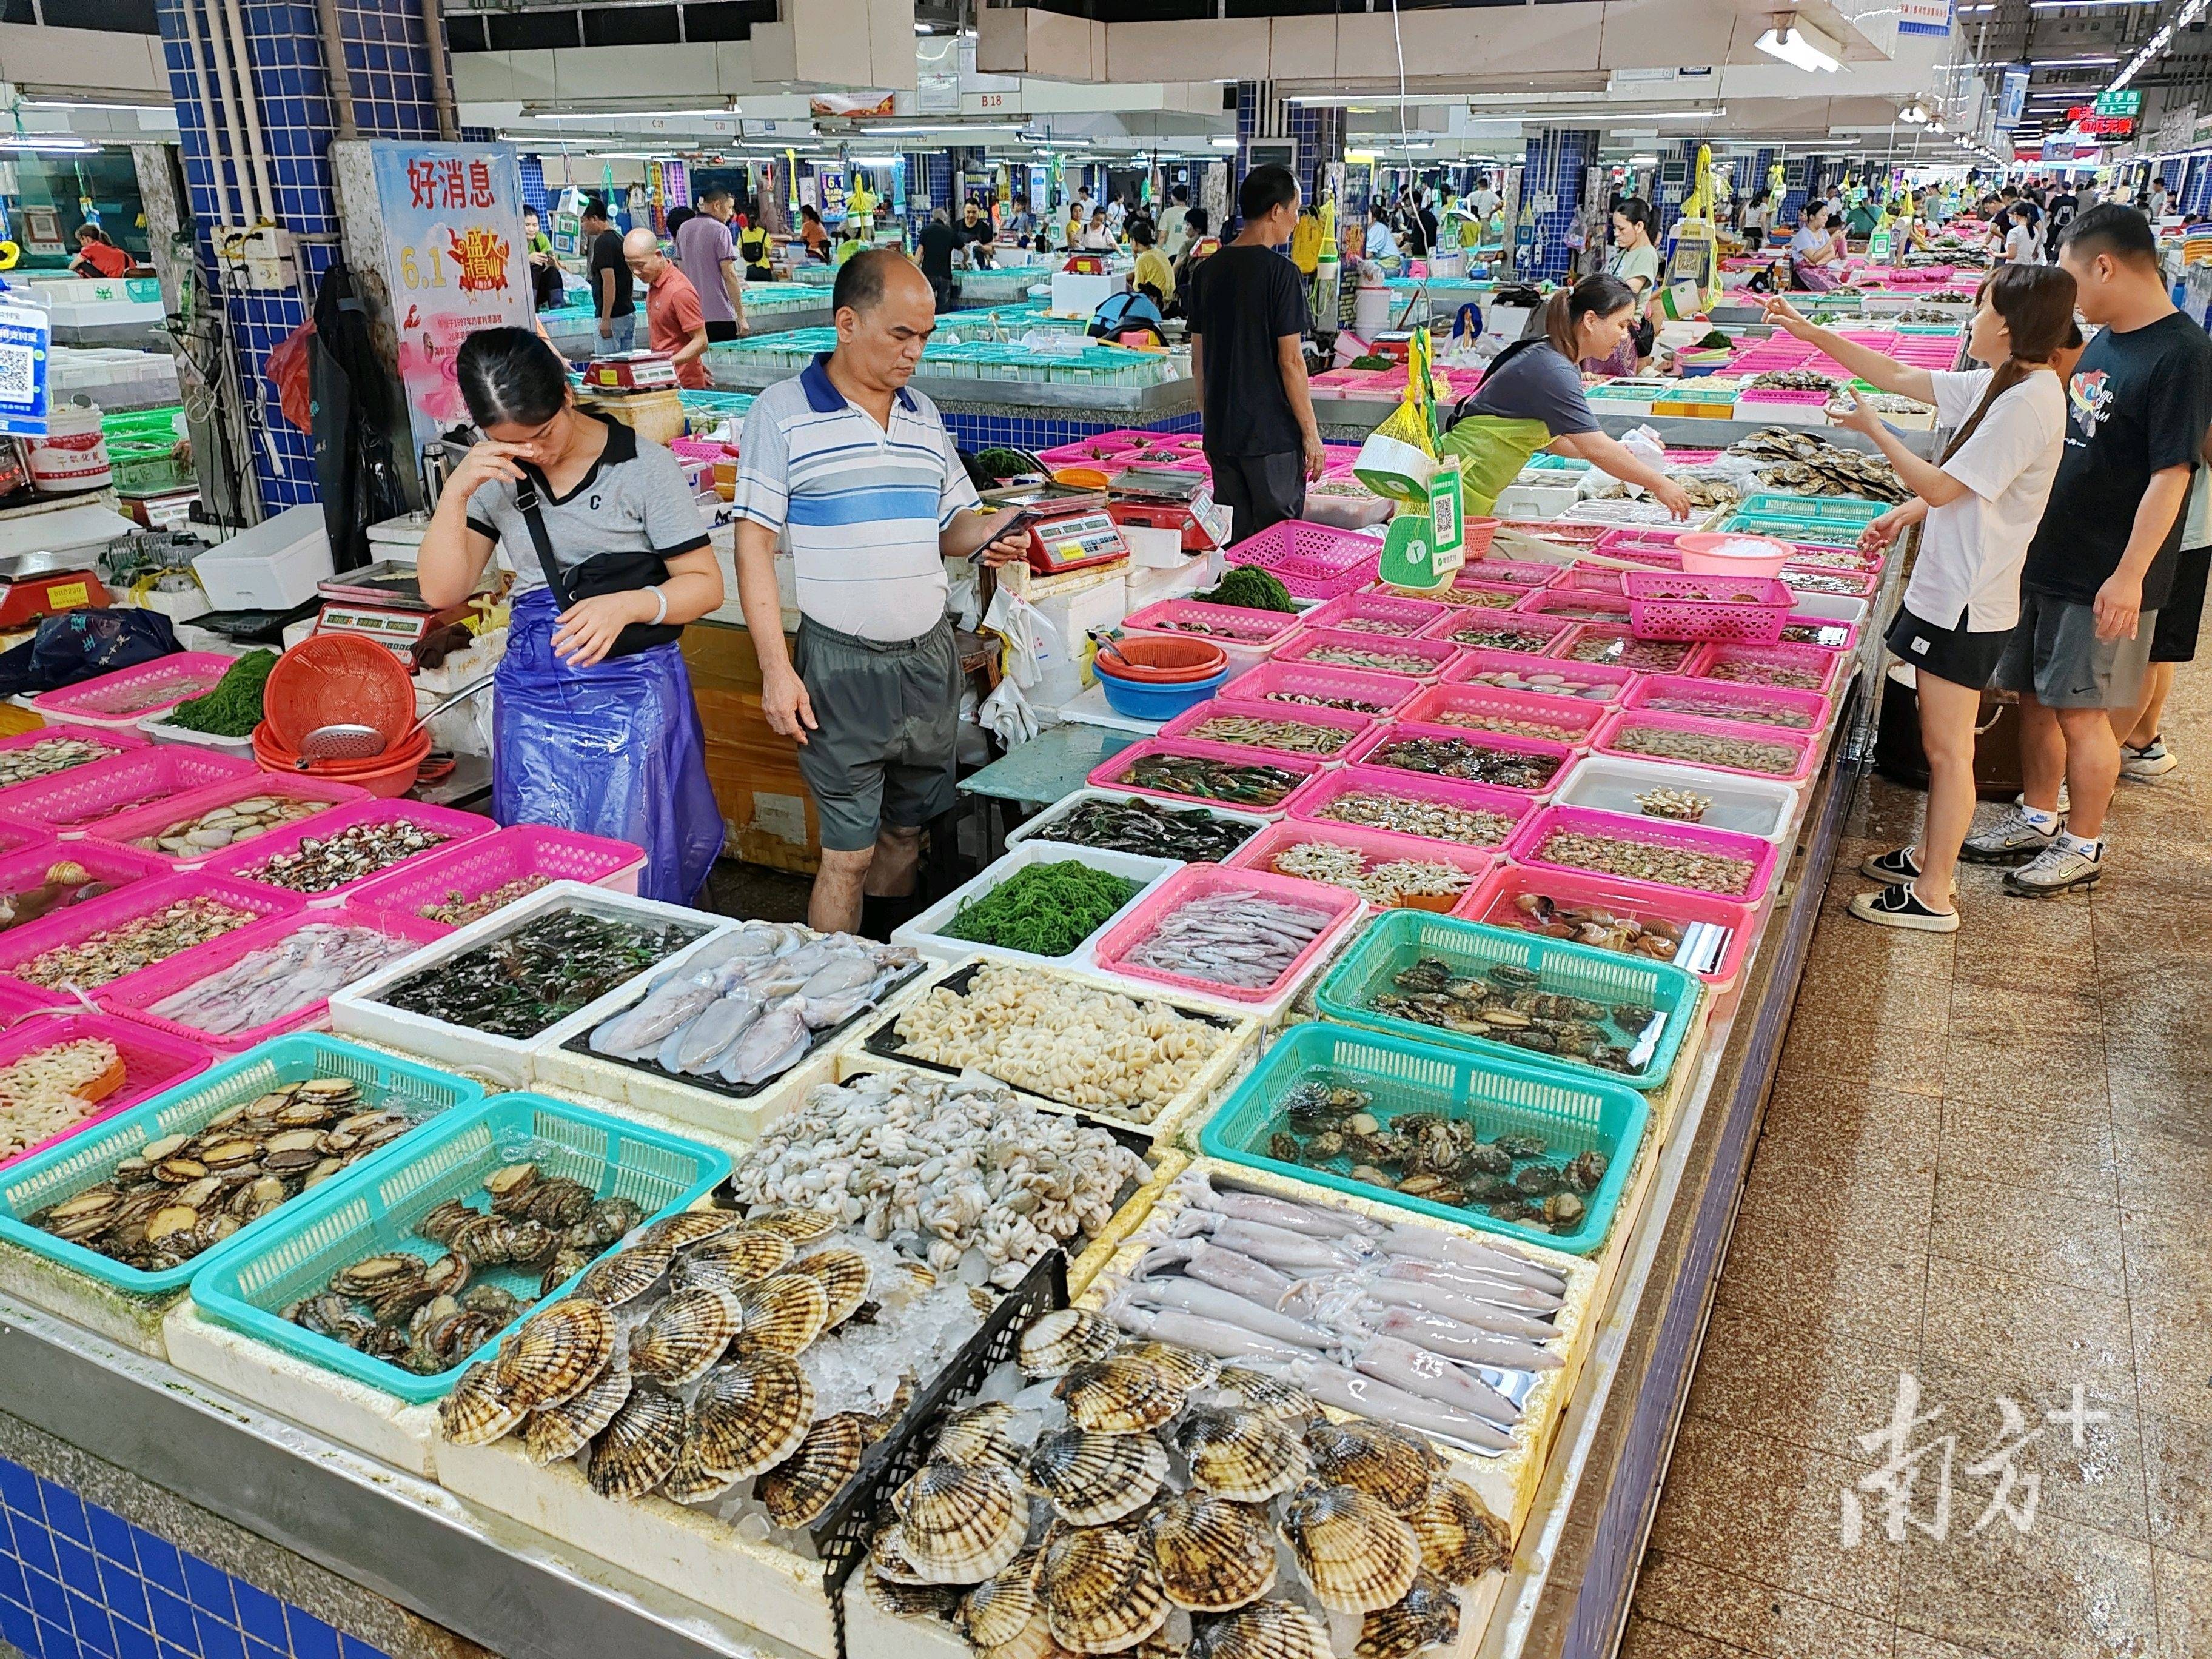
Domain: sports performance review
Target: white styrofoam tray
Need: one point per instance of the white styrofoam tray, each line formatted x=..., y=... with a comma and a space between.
x=922, y=931
x=1040, y=827
x=1751, y=806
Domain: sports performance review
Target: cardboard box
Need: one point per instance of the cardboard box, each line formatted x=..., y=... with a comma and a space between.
x=767, y=811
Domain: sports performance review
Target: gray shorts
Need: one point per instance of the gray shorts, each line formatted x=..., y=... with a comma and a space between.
x=2055, y=654
x=888, y=718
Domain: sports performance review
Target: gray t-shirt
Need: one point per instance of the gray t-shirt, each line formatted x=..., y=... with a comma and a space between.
x=634, y=500
x=1530, y=381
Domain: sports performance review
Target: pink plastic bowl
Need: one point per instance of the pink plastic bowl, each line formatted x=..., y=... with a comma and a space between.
x=1702, y=555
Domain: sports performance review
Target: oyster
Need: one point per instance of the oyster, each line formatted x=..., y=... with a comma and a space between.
x=979, y=1435
x=784, y=1314
x=752, y=1414
x=1265, y=1630
x=687, y=1333
x=1057, y=1342
x=1356, y=1553
x=561, y=1431
x=1241, y=1455
x=1427, y=1615
x=961, y=1524
x=844, y=1275
x=556, y=1352
x=1099, y=1588
x=797, y=1491
x=1384, y=1462
x=638, y=1449
x=1212, y=1554
x=1270, y=1396
x=624, y=1276
x=1460, y=1540
x=686, y=1228
x=735, y=1260
x=1119, y=1394
x=1095, y=1478
x=997, y=1610
x=478, y=1411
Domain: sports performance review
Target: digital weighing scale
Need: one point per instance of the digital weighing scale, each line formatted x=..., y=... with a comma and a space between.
x=632, y=371
x=1073, y=531
x=25, y=596
x=382, y=602
x=1158, y=498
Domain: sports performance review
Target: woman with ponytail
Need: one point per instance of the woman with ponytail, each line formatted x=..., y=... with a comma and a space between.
x=1979, y=505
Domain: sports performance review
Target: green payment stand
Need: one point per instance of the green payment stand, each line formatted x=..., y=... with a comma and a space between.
x=1424, y=549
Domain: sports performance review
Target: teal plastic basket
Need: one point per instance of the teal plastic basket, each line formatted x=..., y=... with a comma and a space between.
x=89, y=1156
x=242, y=1284
x=1811, y=509
x=1394, y=941
x=1573, y=1115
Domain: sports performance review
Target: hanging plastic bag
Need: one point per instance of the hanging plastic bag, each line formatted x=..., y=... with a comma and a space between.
x=1006, y=715
x=1026, y=634
x=82, y=645
x=612, y=750
x=287, y=370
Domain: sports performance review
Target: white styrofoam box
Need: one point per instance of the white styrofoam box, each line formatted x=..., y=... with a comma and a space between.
x=158, y=729
x=64, y=529
x=1540, y=499
x=272, y=567
x=1040, y=827
x=922, y=934
x=506, y=1059
x=1092, y=600
x=1149, y=584
x=1751, y=806
x=1835, y=607
x=1152, y=549
x=1077, y=295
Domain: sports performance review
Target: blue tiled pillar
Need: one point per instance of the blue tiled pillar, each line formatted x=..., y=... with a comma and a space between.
x=1554, y=166
x=1317, y=129
x=389, y=70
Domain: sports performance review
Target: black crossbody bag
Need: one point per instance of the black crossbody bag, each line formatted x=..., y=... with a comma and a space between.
x=603, y=573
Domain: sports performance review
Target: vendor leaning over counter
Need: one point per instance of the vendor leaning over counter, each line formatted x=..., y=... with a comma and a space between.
x=858, y=476
x=1531, y=397
x=594, y=728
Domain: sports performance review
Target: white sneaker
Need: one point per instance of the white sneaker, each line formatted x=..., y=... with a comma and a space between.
x=2152, y=760
x=2056, y=869
x=2064, y=801
x=2011, y=840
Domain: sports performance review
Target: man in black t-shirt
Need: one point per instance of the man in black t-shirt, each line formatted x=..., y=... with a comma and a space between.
x=610, y=275
x=2138, y=403
x=938, y=241
x=1248, y=325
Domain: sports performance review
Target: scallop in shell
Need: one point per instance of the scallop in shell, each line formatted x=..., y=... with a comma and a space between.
x=682, y=1336
x=686, y=1228
x=1460, y=1540
x=1241, y=1455
x=624, y=1276
x=979, y=1435
x=478, y=1411
x=1099, y=1588
x=796, y=1490
x=1092, y=1478
x=887, y=1559
x=1212, y=1554
x=735, y=1260
x=960, y=1524
x=783, y=1315
x=1270, y=1396
x=1185, y=1367
x=1265, y=1630
x=997, y=1610
x=691, y=1481
x=558, y=1352
x=844, y=1275
x=800, y=1226
x=752, y=1414
x=1427, y=1615
x=561, y=1431
x=1380, y=1461
x=912, y=1600
x=1055, y=1343
x=638, y=1449
x=1119, y=1394
x=1034, y=1641
x=1357, y=1553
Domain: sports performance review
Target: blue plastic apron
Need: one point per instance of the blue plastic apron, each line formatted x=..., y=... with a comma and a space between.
x=611, y=750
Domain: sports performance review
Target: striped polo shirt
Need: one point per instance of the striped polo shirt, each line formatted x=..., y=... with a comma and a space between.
x=859, y=506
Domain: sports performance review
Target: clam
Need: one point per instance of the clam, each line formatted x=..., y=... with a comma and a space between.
x=752, y=1414
x=1269, y=1396
x=1357, y=1553
x=797, y=1491
x=686, y=1333
x=800, y=1226
x=624, y=1276
x=1265, y=1630
x=1212, y=1554
x=1427, y=1615
x=1119, y=1394
x=961, y=1524
x=734, y=1260
x=784, y=1314
x=1056, y=1343
x=979, y=1435
x=997, y=1610
x=638, y=1449
x=1241, y=1455
x=1460, y=1540
x=1374, y=1458
x=844, y=1275
x=1099, y=1588
x=561, y=1431
x=478, y=1411
x=1187, y=1368
x=557, y=1353
x=1095, y=1478
x=686, y=1228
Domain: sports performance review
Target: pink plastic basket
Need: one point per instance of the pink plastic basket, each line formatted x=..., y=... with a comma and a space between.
x=1311, y=802
x=1784, y=667
x=15, y=836
x=1438, y=654
x=1314, y=561
x=1752, y=705
x=1495, y=901
x=1574, y=604
x=116, y=739
x=240, y=863
x=1580, y=578
x=68, y=804
x=20, y=945
x=1656, y=548
x=1387, y=614
x=1766, y=402
x=1464, y=594
x=1584, y=682
x=1277, y=683
x=125, y=828
x=1691, y=457
x=1103, y=449
x=117, y=867
x=1618, y=646
x=472, y=868
x=1350, y=726
x=1375, y=847
x=1510, y=631
x=1508, y=572
x=134, y=998
x=1223, y=624
x=1198, y=881
x=129, y=695
x=1528, y=843
x=1469, y=703
x=1559, y=753
x=1112, y=773
x=151, y=1061
x=1668, y=605
x=1567, y=533
x=1802, y=747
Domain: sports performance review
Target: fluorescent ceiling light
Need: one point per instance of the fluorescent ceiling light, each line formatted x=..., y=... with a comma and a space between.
x=1799, y=47
x=72, y=103
x=2070, y=62
x=876, y=161
x=949, y=129
x=1589, y=118
x=634, y=114
x=1222, y=141
x=38, y=141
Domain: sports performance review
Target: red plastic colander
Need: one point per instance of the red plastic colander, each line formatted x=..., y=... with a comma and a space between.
x=330, y=679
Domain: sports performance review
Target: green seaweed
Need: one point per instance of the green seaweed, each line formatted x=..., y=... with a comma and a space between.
x=233, y=707
x=1042, y=910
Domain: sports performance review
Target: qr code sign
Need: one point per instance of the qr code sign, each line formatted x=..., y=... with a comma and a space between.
x=19, y=374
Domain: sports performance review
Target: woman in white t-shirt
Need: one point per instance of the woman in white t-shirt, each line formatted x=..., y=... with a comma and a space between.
x=2020, y=240
x=1978, y=506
